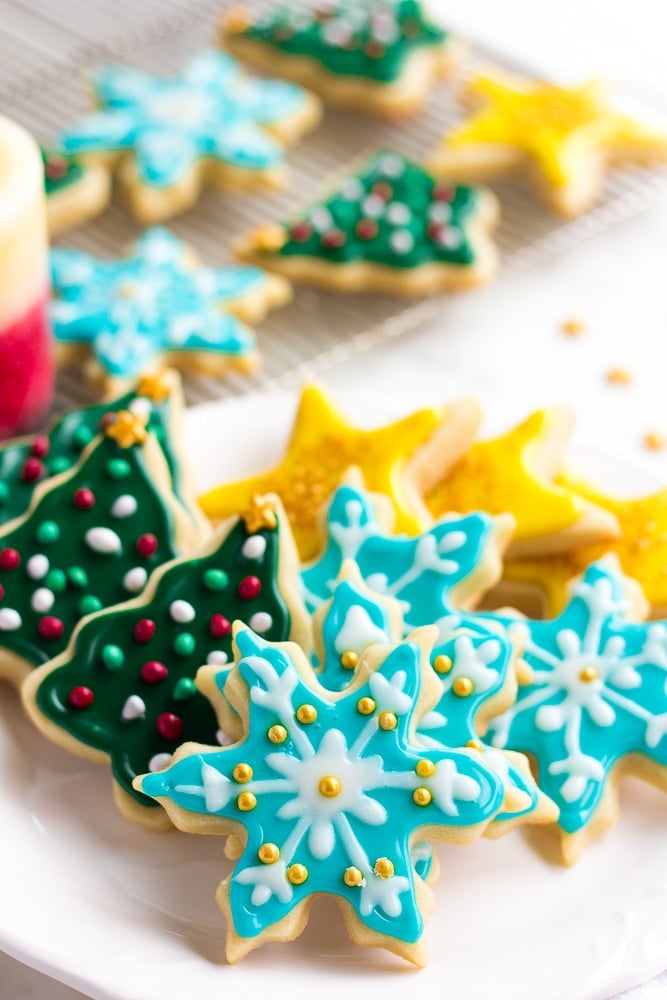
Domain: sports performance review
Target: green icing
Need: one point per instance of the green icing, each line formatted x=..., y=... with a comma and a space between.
x=390, y=212
x=108, y=659
x=366, y=38
x=58, y=552
x=60, y=171
x=28, y=462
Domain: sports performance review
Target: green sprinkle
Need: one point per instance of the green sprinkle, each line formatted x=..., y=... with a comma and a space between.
x=47, y=533
x=59, y=464
x=82, y=437
x=112, y=656
x=4, y=493
x=77, y=577
x=184, y=644
x=215, y=579
x=118, y=468
x=184, y=689
x=89, y=604
x=56, y=581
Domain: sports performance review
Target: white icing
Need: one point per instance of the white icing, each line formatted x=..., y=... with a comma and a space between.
x=135, y=579
x=260, y=622
x=254, y=547
x=10, y=620
x=181, y=612
x=124, y=506
x=42, y=600
x=268, y=881
x=37, y=567
x=389, y=693
x=358, y=631
x=103, y=540
x=134, y=708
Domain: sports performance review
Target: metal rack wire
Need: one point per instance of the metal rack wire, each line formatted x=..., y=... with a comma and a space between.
x=44, y=57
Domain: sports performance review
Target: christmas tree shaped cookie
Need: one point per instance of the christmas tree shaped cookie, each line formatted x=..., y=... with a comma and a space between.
x=166, y=137
x=158, y=305
x=29, y=461
x=377, y=57
x=329, y=791
x=123, y=691
x=593, y=706
x=565, y=138
x=388, y=226
x=75, y=192
x=90, y=539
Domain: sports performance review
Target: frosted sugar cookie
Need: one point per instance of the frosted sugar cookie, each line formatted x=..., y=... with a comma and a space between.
x=75, y=192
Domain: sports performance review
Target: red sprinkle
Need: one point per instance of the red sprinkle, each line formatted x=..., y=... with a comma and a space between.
x=106, y=419
x=32, y=470
x=144, y=630
x=332, y=238
x=83, y=498
x=40, y=446
x=153, y=672
x=50, y=627
x=219, y=626
x=301, y=232
x=81, y=697
x=383, y=190
x=9, y=559
x=433, y=230
x=146, y=545
x=249, y=587
x=367, y=229
x=169, y=726
x=443, y=192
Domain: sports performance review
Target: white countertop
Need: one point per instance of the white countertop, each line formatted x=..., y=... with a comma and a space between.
x=503, y=343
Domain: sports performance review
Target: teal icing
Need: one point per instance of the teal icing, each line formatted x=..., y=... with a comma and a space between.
x=155, y=301
x=211, y=110
x=579, y=727
x=374, y=816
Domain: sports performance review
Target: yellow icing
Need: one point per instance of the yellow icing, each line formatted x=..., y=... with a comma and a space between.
x=322, y=448
x=555, y=127
x=502, y=475
x=641, y=549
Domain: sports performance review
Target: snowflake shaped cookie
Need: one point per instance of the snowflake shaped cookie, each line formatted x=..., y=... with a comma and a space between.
x=208, y=123
x=157, y=304
x=329, y=791
x=595, y=704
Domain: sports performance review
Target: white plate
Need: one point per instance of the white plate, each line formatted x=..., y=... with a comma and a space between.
x=123, y=914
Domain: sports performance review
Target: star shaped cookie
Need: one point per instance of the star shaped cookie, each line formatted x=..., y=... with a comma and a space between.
x=565, y=137
x=514, y=473
x=75, y=192
x=156, y=304
x=396, y=460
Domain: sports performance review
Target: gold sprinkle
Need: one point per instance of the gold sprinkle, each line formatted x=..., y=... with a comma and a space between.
x=475, y=745
x=588, y=674
x=619, y=376
x=422, y=797
x=572, y=327
x=383, y=868
x=366, y=706
x=655, y=441
x=306, y=714
x=277, y=734
x=425, y=768
x=353, y=877
x=330, y=786
x=268, y=854
x=442, y=664
x=349, y=659
x=246, y=801
x=297, y=874
x=387, y=721
x=126, y=429
x=242, y=773
x=463, y=687
x=157, y=386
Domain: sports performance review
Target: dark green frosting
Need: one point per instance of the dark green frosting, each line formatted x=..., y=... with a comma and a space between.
x=108, y=659
x=362, y=38
x=60, y=171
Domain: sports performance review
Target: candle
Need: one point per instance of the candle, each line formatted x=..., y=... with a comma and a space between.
x=26, y=357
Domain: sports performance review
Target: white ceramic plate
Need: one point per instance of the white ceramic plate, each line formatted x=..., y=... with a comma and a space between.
x=123, y=914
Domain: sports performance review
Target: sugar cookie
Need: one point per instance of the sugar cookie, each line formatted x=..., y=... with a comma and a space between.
x=75, y=192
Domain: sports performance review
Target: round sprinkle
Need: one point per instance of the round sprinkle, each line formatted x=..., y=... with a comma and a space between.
x=124, y=506
x=50, y=627
x=249, y=588
x=442, y=664
x=118, y=468
x=185, y=644
x=184, y=689
x=217, y=658
x=219, y=626
x=254, y=547
x=89, y=604
x=353, y=877
x=463, y=687
x=56, y=580
x=47, y=533
x=113, y=657
x=181, y=612
x=82, y=437
x=277, y=734
x=42, y=600
x=10, y=620
x=144, y=630
x=77, y=577
x=366, y=706
x=141, y=407
x=401, y=241
x=215, y=579
x=422, y=797
x=104, y=541
x=134, y=708
x=450, y=238
x=440, y=212
x=246, y=801
x=80, y=697
x=333, y=238
x=168, y=726
x=153, y=672
x=158, y=762
x=387, y=721
x=398, y=214
x=268, y=854
x=37, y=567
x=301, y=232
x=373, y=206
x=135, y=579
x=260, y=622
x=242, y=773
x=383, y=868
x=367, y=229
x=9, y=559
x=40, y=446
x=391, y=165
x=32, y=470
x=349, y=659
x=306, y=714
x=352, y=190
x=297, y=874
x=146, y=545
x=59, y=464
x=83, y=498
x=425, y=768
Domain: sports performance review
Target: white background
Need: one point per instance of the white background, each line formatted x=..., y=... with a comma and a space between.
x=503, y=343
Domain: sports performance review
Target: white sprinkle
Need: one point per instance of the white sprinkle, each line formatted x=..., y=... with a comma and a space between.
x=181, y=612
x=254, y=547
x=223, y=739
x=391, y=165
x=321, y=219
x=336, y=32
x=42, y=600
x=10, y=620
x=37, y=567
x=261, y=622
x=124, y=506
x=401, y=241
x=141, y=407
x=440, y=212
x=373, y=206
x=398, y=213
x=134, y=708
x=352, y=189
x=217, y=657
x=135, y=579
x=450, y=238
x=159, y=761
x=103, y=540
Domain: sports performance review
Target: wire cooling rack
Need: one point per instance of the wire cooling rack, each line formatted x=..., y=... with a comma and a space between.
x=46, y=52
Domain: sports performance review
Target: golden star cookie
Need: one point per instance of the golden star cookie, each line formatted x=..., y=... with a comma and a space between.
x=514, y=473
x=565, y=137
x=401, y=460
